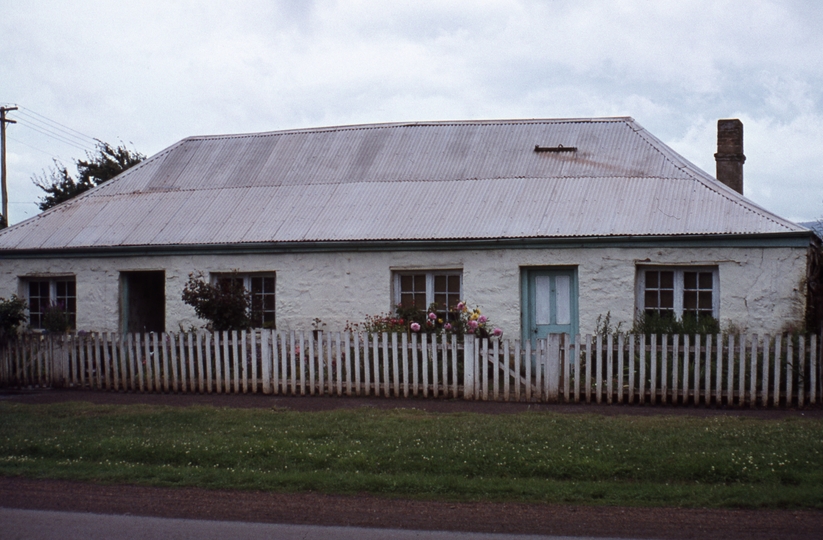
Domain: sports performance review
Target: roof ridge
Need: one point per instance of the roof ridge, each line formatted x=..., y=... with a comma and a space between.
x=381, y=125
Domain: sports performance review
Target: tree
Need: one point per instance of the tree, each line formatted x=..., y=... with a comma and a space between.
x=98, y=167
x=12, y=315
x=225, y=305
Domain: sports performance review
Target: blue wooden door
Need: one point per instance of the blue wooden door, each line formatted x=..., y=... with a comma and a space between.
x=549, y=303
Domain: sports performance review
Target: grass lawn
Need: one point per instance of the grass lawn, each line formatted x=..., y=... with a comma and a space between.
x=581, y=459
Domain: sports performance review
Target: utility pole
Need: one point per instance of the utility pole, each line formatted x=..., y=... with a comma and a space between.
x=3, y=120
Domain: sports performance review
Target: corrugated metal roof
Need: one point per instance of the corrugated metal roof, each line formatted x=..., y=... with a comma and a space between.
x=439, y=180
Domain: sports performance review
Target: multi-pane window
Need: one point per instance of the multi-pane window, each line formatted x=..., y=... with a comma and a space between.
x=420, y=289
x=675, y=292
x=53, y=293
x=261, y=288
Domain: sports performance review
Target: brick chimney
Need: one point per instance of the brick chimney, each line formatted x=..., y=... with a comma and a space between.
x=729, y=156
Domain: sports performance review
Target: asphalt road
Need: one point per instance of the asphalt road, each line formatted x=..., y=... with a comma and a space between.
x=44, y=525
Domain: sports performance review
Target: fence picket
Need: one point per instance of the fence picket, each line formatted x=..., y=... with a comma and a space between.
x=197, y=362
x=707, y=388
x=778, y=345
x=396, y=363
x=609, y=367
x=376, y=363
x=620, y=344
x=506, y=375
x=454, y=366
x=97, y=366
x=730, y=373
x=266, y=361
x=444, y=365
x=789, y=370
x=385, y=359
x=813, y=370
x=424, y=349
x=111, y=375
x=642, y=382
x=718, y=400
x=405, y=347
x=598, y=385
x=753, y=373
x=235, y=365
x=686, y=351
x=632, y=340
x=696, y=394
x=588, y=368
x=244, y=362
x=255, y=381
x=801, y=375
x=578, y=359
x=675, y=368
x=539, y=363
x=190, y=361
x=301, y=360
x=212, y=364
x=741, y=376
x=155, y=362
x=347, y=337
x=653, y=370
x=764, y=391
x=356, y=336
x=496, y=374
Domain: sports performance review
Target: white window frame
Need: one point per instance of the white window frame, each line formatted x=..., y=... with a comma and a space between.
x=247, y=277
x=25, y=282
x=430, y=274
x=679, y=286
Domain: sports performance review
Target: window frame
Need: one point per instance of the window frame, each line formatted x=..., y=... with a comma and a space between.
x=247, y=277
x=430, y=274
x=678, y=287
x=52, y=280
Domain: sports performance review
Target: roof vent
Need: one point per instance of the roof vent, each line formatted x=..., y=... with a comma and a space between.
x=558, y=148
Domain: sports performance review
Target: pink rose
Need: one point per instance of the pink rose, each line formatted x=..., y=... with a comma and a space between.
x=497, y=332
x=447, y=326
x=432, y=316
x=473, y=325
x=415, y=327
x=459, y=306
x=482, y=319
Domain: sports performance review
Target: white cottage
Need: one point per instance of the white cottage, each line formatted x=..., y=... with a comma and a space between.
x=545, y=224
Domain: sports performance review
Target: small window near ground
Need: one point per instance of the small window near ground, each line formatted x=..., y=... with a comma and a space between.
x=44, y=294
x=261, y=289
x=675, y=292
x=422, y=288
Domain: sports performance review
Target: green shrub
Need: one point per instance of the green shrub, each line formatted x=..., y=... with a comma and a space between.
x=12, y=314
x=652, y=323
x=225, y=305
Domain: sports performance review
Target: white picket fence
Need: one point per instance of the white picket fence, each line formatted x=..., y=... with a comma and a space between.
x=735, y=370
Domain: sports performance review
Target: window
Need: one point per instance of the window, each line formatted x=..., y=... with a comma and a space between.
x=261, y=289
x=422, y=288
x=43, y=293
x=675, y=292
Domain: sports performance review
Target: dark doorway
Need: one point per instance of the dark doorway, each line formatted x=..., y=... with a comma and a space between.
x=143, y=301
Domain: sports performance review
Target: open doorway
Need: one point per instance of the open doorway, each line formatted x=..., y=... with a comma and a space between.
x=143, y=301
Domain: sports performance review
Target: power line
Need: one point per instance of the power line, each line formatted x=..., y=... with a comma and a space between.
x=57, y=132
x=54, y=136
x=18, y=141
x=44, y=117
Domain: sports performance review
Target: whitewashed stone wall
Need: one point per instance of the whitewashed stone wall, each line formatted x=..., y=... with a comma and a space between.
x=761, y=290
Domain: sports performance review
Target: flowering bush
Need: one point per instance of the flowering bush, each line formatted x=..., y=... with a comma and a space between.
x=458, y=319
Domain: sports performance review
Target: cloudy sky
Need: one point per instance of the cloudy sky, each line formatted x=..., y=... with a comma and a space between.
x=150, y=73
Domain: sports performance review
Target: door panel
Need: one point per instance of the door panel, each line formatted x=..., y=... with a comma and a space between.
x=549, y=302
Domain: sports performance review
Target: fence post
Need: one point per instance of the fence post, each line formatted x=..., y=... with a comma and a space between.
x=468, y=367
